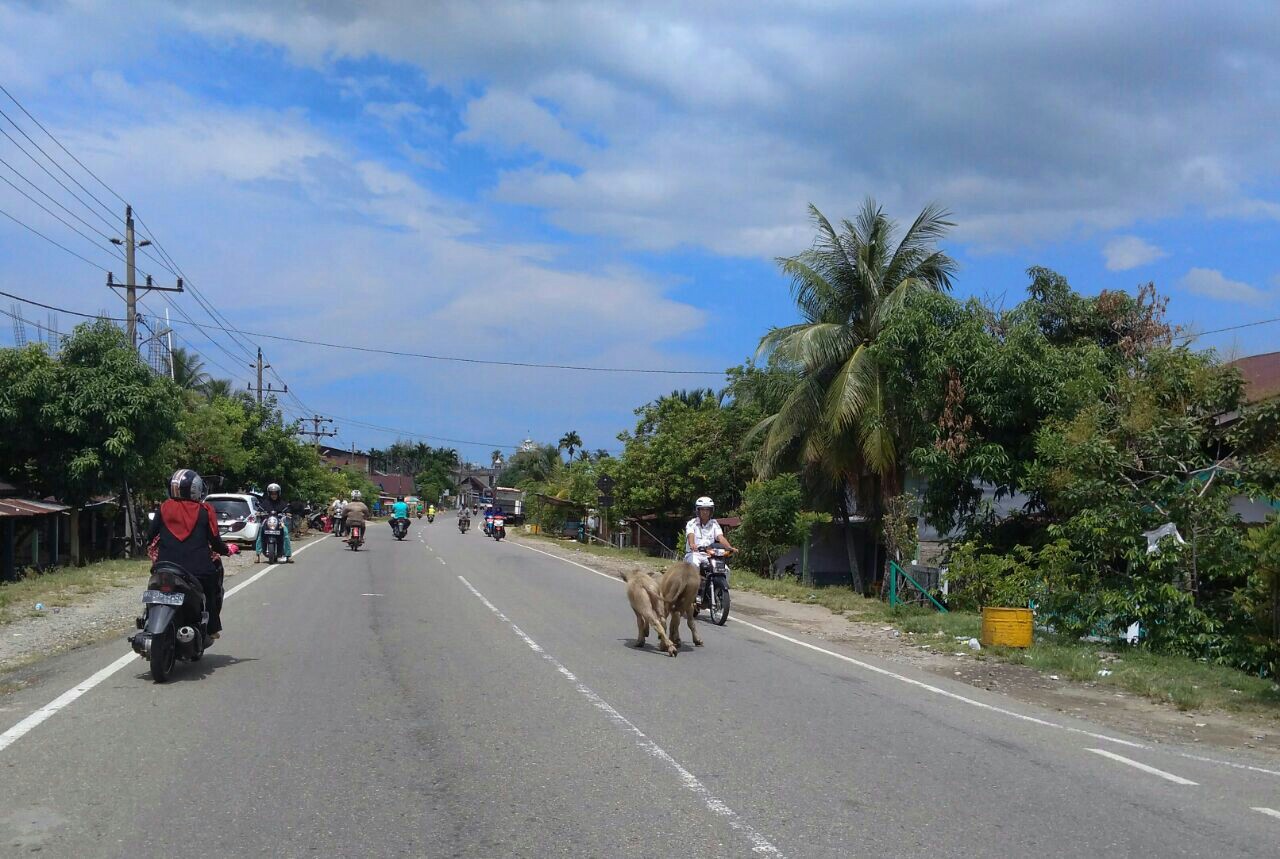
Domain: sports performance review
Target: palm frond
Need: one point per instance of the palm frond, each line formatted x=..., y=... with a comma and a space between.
x=848, y=392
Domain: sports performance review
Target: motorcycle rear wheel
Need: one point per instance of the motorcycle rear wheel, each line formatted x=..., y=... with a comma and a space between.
x=164, y=653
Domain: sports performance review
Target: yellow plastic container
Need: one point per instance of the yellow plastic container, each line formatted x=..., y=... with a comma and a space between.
x=1006, y=627
x=532, y=529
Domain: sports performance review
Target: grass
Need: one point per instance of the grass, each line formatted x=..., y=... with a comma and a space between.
x=1185, y=683
x=66, y=586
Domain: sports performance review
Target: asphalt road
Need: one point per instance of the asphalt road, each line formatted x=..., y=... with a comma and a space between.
x=451, y=696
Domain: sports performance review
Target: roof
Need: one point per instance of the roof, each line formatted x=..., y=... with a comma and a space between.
x=393, y=484
x=1261, y=376
x=19, y=507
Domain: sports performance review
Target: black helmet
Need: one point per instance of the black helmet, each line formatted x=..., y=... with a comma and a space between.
x=399, y=497
x=186, y=484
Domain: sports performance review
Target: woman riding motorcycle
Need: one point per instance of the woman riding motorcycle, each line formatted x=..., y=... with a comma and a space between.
x=702, y=532
x=185, y=533
x=275, y=505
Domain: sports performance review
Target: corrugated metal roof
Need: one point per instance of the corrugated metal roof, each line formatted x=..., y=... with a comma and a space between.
x=21, y=507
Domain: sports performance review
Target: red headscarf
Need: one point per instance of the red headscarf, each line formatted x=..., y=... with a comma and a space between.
x=180, y=516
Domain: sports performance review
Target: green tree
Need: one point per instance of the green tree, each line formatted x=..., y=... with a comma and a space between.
x=188, y=370
x=837, y=421
x=771, y=521
x=570, y=442
x=87, y=423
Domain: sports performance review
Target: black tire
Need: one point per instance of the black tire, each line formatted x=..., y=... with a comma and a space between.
x=720, y=605
x=164, y=653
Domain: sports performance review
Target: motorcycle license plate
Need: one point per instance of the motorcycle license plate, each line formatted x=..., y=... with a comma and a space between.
x=272, y=533
x=224, y=528
x=162, y=598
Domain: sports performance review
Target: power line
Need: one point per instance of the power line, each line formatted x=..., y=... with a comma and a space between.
x=1188, y=338
x=40, y=164
x=64, y=149
x=52, y=242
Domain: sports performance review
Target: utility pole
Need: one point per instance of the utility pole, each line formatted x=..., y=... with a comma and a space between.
x=131, y=277
x=315, y=432
x=260, y=366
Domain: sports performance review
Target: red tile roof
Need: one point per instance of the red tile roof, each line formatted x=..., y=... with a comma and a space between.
x=1261, y=376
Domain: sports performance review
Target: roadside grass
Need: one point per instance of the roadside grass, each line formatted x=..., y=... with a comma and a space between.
x=66, y=586
x=1184, y=683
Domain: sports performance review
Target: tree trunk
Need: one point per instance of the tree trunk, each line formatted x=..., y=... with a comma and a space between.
x=851, y=550
x=74, y=547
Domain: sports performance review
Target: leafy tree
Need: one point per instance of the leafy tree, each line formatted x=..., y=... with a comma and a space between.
x=771, y=521
x=680, y=451
x=536, y=465
x=837, y=420
x=87, y=423
x=214, y=388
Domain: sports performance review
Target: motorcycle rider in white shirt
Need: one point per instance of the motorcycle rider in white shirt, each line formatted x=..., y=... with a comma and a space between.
x=702, y=532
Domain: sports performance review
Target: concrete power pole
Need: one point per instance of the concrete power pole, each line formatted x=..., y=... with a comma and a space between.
x=259, y=366
x=131, y=277
x=315, y=432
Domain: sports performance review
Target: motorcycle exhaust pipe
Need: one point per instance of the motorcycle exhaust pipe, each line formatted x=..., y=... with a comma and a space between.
x=186, y=634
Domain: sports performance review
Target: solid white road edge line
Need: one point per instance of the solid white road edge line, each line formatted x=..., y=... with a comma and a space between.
x=33, y=721
x=1189, y=756
x=1176, y=779
x=759, y=844
x=1269, y=812
x=884, y=672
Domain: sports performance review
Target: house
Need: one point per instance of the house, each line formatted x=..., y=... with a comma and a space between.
x=1261, y=376
x=337, y=458
x=393, y=485
x=32, y=533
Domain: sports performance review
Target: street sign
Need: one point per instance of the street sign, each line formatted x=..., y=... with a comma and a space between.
x=606, y=500
x=605, y=484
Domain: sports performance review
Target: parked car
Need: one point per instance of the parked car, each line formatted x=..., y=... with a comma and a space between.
x=239, y=516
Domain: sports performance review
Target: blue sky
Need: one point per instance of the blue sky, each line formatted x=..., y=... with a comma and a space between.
x=607, y=183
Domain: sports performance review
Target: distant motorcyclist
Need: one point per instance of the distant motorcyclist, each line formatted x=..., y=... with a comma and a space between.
x=186, y=533
x=702, y=532
x=275, y=505
x=340, y=517
x=431, y=513
x=399, y=510
x=356, y=512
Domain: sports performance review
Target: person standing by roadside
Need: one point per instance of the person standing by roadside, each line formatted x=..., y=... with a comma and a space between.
x=340, y=517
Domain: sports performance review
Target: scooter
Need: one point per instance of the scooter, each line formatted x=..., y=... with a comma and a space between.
x=464, y=523
x=713, y=595
x=356, y=538
x=431, y=517
x=273, y=537
x=499, y=529
x=174, y=623
x=400, y=527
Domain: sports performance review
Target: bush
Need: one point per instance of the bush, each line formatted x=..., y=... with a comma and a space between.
x=771, y=522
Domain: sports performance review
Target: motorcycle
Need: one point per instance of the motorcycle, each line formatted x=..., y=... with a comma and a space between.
x=713, y=595
x=356, y=537
x=499, y=529
x=431, y=517
x=419, y=514
x=463, y=524
x=273, y=537
x=400, y=527
x=174, y=624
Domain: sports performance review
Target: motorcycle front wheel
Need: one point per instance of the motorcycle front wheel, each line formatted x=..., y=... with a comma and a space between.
x=164, y=653
x=719, y=603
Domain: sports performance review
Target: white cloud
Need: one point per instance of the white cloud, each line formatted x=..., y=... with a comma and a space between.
x=1030, y=123
x=1128, y=252
x=1211, y=283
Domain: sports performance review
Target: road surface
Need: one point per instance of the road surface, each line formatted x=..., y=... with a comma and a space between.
x=451, y=696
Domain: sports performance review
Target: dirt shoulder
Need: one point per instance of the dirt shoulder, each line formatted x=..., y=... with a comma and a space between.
x=88, y=618
x=942, y=654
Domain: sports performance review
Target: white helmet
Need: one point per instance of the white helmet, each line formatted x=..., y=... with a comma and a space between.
x=704, y=501
x=273, y=487
x=355, y=494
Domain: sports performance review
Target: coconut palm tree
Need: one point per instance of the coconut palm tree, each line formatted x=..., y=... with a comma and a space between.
x=570, y=441
x=188, y=369
x=216, y=388
x=835, y=424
